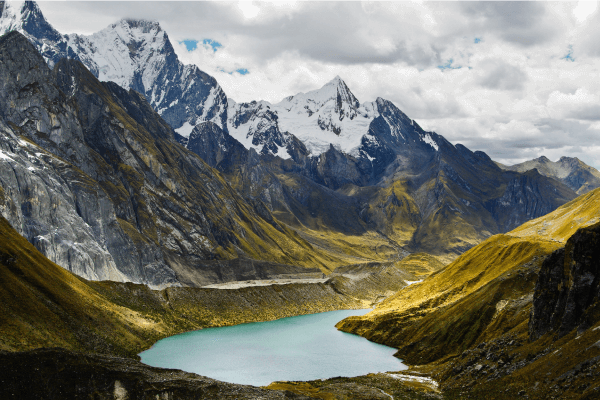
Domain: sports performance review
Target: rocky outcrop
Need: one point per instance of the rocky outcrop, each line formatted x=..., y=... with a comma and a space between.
x=62, y=374
x=216, y=147
x=567, y=294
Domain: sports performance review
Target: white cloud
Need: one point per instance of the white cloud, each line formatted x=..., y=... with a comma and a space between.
x=579, y=105
x=584, y=9
x=249, y=10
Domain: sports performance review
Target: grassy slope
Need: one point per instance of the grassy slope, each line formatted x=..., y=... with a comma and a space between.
x=482, y=300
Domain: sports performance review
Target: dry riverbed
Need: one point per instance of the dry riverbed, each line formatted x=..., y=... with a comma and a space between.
x=262, y=282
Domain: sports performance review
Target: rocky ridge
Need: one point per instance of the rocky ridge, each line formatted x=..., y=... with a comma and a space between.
x=570, y=170
x=95, y=179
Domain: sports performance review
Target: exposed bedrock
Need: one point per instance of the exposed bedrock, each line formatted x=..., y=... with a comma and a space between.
x=567, y=294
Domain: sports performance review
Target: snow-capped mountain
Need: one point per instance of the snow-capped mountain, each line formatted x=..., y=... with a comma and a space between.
x=26, y=17
x=331, y=115
x=136, y=54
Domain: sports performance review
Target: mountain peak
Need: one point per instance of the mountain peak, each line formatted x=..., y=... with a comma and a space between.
x=15, y=14
x=27, y=18
x=144, y=25
x=336, y=89
x=543, y=159
x=337, y=81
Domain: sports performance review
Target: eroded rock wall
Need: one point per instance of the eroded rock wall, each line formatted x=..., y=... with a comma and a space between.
x=567, y=294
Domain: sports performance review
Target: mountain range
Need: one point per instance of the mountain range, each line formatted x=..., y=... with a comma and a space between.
x=569, y=170
x=331, y=181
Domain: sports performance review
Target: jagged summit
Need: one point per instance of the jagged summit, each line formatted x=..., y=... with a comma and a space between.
x=330, y=115
x=313, y=101
x=543, y=159
x=27, y=18
x=145, y=24
x=15, y=13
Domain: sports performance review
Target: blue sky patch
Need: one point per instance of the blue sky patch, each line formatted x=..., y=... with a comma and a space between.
x=569, y=56
x=477, y=40
x=212, y=43
x=448, y=65
x=241, y=71
x=190, y=44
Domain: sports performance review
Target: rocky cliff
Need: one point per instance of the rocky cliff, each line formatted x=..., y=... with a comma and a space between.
x=96, y=180
x=567, y=293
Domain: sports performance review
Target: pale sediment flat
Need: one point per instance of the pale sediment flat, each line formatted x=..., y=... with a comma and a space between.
x=262, y=282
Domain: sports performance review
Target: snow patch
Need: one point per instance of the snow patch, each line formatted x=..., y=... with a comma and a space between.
x=4, y=156
x=283, y=153
x=421, y=379
x=185, y=130
x=365, y=154
x=429, y=140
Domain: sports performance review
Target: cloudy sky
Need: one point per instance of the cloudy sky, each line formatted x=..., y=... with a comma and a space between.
x=516, y=80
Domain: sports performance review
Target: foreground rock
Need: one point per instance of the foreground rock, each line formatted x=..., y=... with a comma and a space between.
x=567, y=293
x=61, y=374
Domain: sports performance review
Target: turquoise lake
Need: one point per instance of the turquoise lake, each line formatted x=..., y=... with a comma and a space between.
x=289, y=349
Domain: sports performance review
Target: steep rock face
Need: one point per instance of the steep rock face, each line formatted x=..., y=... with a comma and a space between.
x=136, y=54
x=214, y=145
x=41, y=198
x=567, y=294
x=526, y=197
x=26, y=17
x=44, y=196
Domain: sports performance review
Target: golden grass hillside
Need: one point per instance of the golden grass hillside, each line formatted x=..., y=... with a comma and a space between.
x=453, y=308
